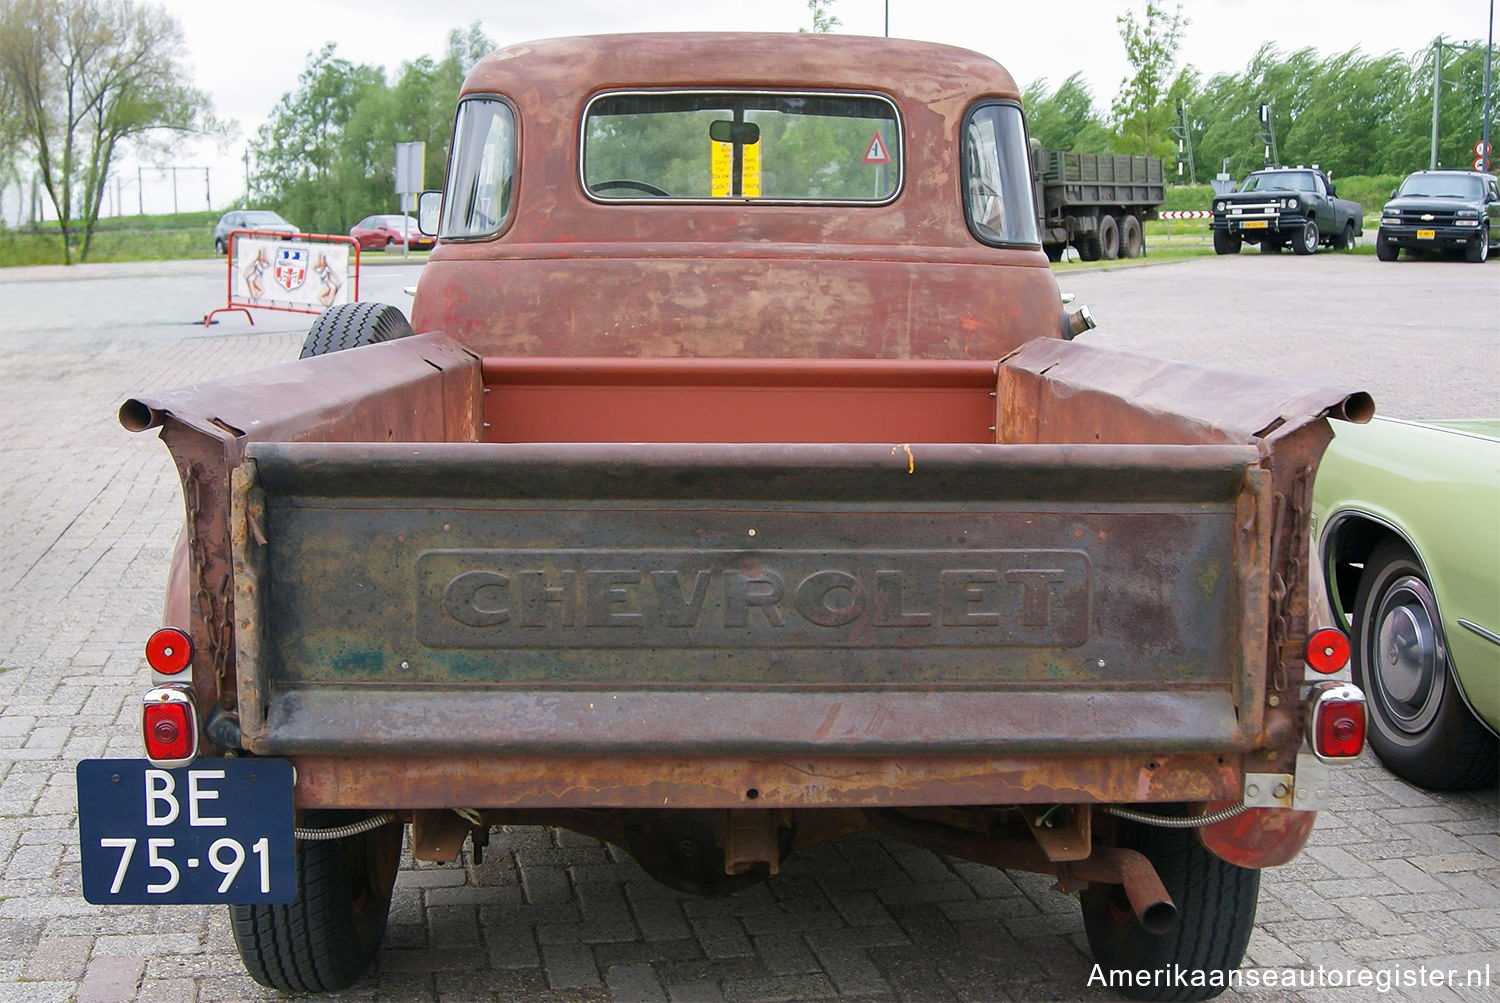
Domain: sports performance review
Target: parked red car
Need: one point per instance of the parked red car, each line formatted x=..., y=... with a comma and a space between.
x=376, y=233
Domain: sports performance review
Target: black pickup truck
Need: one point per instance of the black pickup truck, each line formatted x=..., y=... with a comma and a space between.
x=1441, y=210
x=1281, y=206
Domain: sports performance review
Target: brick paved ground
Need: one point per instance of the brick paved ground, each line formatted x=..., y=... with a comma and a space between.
x=1394, y=876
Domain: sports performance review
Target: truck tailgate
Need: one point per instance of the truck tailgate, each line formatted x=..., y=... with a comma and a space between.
x=751, y=599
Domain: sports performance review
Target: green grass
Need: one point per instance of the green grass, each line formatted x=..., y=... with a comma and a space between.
x=1192, y=238
x=167, y=237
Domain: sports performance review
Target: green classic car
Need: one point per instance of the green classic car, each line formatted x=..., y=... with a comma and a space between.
x=1407, y=520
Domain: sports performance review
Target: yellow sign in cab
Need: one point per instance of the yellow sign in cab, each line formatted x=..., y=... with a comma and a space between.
x=721, y=166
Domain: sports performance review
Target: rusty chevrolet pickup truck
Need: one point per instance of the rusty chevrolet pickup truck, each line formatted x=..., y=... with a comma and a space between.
x=736, y=484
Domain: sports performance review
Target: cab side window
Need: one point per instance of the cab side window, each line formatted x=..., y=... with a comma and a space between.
x=998, y=201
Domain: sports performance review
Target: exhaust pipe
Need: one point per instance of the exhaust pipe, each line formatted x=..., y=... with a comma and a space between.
x=1111, y=865
x=1077, y=322
x=1148, y=898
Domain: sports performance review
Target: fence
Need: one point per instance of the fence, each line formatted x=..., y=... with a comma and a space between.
x=130, y=191
x=1171, y=215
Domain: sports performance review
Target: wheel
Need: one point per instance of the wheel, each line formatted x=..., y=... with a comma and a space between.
x=1132, y=241
x=1479, y=251
x=1306, y=242
x=350, y=325
x=1216, y=911
x=1226, y=242
x=1088, y=248
x=1385, y=251
x=1109, y=238
x=219, y=246
x=1345, y=240
x=1054, y=251
x=325, y=940
x=1419, y=725
x=629, y=185
x=388, y=242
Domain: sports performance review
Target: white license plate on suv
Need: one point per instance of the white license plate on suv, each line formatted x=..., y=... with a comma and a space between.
x=217, y=831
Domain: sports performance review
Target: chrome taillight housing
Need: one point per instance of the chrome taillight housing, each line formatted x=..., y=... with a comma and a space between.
x=169, y=725
x=1336, y=721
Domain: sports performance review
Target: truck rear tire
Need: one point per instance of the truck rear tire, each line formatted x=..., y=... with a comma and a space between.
x=1216, y=905
x=351, y=325
x=1109, y=237
x=1132, y=242
x=325, y=939
x=1226, y=242
x=1345, y=240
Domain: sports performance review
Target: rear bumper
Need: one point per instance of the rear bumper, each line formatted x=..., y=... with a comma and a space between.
x=402, y=780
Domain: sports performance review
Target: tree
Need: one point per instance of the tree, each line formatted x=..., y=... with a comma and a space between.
x=329, y=149
x=318, y=149
x=1065, y=120
x=823, y=22
x=83, y=77
x=1141, y=112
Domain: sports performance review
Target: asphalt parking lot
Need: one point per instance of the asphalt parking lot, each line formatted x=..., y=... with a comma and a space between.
x=1396, y=880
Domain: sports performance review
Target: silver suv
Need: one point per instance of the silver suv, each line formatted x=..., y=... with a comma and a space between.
x=249, y=219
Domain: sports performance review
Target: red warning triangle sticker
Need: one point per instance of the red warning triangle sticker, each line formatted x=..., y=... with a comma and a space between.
x=876, y=152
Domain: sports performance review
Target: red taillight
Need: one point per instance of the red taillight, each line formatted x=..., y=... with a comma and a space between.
x=1327, y=650
x=1336, y=721
x=169, y=724
x=169, y=651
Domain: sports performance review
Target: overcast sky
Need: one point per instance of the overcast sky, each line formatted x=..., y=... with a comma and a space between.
x=246, y=56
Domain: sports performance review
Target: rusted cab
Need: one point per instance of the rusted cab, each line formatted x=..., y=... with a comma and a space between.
x=883, y=210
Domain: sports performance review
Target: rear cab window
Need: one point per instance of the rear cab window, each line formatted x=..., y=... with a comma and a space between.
x=775, y=147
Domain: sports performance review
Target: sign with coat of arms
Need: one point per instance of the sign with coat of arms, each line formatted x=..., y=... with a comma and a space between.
x=291, y=266
x=308, y=274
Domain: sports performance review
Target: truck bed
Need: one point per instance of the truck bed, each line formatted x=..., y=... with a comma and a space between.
x=1067, y=551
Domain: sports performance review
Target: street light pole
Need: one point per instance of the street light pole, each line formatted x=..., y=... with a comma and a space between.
x=1489, y=51
x=1437, y=85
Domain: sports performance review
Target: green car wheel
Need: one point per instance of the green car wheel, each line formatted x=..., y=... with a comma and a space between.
x=1419, y=724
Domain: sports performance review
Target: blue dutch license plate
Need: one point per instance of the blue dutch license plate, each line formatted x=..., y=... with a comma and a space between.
x=217, y=831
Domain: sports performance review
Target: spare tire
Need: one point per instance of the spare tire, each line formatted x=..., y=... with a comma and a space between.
x=351, y=325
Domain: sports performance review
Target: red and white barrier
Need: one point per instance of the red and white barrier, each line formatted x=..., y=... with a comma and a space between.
x=299, y=273
x=1186, y=214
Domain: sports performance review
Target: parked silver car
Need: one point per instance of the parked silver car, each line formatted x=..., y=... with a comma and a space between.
x=249, y=219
